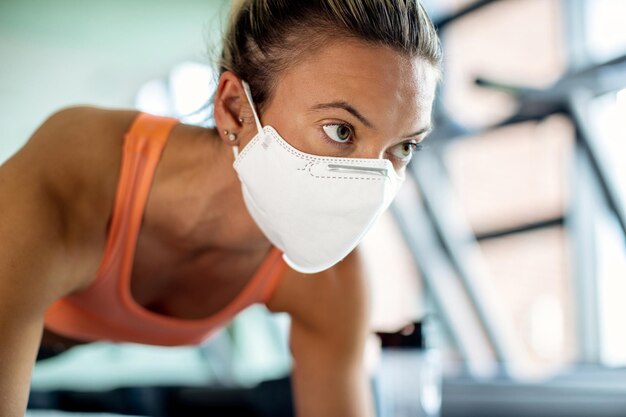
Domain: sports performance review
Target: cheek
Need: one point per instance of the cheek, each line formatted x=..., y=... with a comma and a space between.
x=300, y=133
x=297, y=131
x=307, y=139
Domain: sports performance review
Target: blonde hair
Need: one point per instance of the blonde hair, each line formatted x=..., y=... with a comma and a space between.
x=265, y=37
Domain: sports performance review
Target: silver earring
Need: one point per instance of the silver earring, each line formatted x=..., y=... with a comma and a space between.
x=241, y=120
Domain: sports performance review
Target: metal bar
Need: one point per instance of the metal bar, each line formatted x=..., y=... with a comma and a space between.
x=448, y=297
x=575, y=33
x=464, y=255
x=606, y=182
x=583, y=206
x=580, y=225
x=495, y=234
x=471, y=8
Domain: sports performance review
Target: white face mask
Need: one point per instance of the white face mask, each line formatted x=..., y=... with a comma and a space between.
x=315, y=209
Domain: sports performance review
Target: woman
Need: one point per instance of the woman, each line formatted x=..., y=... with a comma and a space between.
x=128, y=227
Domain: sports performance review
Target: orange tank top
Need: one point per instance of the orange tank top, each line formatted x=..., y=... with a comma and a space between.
x=106, y=310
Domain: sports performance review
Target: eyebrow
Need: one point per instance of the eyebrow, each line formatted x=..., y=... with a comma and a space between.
x=350, y=109
x=426, y=130
x=347, y=107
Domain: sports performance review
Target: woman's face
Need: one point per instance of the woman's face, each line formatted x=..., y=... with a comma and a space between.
x=352, y=99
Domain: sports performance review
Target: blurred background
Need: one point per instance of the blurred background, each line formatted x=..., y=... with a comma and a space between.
x=506, y=249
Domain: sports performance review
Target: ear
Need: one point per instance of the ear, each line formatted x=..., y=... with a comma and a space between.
x=229, y=105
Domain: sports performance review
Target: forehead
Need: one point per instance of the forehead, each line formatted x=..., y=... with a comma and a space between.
x=376, y=79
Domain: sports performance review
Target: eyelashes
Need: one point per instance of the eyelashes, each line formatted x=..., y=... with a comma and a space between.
x=339, y=132
x=342, y=135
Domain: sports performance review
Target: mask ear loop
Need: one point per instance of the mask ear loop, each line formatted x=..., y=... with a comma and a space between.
x=259, y=127
x=246, y=89
x=235, y=149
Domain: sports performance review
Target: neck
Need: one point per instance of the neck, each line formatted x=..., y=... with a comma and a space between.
x=220, y=219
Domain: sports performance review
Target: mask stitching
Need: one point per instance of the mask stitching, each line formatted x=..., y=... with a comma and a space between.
x=313, y=159
x=247, y=149
x=316, y=158
x=299, y=154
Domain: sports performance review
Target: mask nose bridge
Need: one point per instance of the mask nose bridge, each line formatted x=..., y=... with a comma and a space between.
x=359, y=168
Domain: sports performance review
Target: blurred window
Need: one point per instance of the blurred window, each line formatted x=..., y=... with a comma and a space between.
x=515, y=176
x=605, y=38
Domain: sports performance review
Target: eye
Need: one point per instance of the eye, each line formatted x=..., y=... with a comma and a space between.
x=338, y=132
x=404, y=151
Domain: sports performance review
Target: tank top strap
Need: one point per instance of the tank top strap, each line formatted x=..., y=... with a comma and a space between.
x=143, y=145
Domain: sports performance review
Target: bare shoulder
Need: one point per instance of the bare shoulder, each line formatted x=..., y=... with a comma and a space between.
x=76, y=144
x=332, y=301
x=55, y=187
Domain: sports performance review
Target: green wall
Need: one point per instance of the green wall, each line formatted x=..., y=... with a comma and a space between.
x=67, y=52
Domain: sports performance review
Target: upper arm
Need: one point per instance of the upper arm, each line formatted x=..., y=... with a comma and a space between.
x=33, y=269
x=331, y=306
x=29, y=259
x=329, y=327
